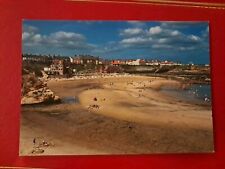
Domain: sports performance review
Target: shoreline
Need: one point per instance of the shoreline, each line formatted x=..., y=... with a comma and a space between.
x=183, y=85
x=180, y=78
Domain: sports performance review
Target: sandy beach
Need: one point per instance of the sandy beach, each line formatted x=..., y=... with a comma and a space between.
x=116, y=115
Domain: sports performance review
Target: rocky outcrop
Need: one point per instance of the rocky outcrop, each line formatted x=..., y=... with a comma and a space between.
x=35, y=91
x=41, y=95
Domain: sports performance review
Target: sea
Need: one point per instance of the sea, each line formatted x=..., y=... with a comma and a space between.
x=197, y=93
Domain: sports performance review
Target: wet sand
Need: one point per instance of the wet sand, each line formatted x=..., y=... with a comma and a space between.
x=117, y=115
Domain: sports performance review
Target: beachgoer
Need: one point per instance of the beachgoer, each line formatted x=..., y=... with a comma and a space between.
x=34, y=140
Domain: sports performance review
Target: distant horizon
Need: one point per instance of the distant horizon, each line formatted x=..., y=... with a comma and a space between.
x=184, y=42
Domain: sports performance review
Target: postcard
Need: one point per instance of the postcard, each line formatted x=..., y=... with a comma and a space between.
x=115, y=87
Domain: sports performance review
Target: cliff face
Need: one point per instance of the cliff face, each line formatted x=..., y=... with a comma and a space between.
x=34, y=90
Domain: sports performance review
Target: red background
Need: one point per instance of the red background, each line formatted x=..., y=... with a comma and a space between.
x=11, y=15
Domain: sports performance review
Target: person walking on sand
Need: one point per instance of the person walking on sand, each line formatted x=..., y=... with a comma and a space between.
x=34, y=141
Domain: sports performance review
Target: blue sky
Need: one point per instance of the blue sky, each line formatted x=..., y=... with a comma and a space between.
x=185, y=42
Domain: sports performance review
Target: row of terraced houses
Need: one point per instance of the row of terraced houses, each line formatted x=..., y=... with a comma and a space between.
x=58, y=64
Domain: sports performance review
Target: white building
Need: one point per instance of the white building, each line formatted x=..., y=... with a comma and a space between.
x=134, y=62
x=47, y=69
x=71, y=60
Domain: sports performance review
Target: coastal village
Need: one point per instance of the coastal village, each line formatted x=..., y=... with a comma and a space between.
x=66, y=65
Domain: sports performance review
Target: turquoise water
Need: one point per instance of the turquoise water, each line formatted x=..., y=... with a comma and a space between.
x=194, y=93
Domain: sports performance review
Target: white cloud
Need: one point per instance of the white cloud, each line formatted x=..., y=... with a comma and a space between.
x=185, y=48
x=30, y=34
x=60, y=39
x=25, y=35
x=194, y=37
x=155, y=30
x=162, y=46
x=135, y=41
x=37, y=38
x=175, y=33
x=162, y=40
x=159, y=37
x=31, y=29
x=131, y=31
x=62, y=35
x=30, y=37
